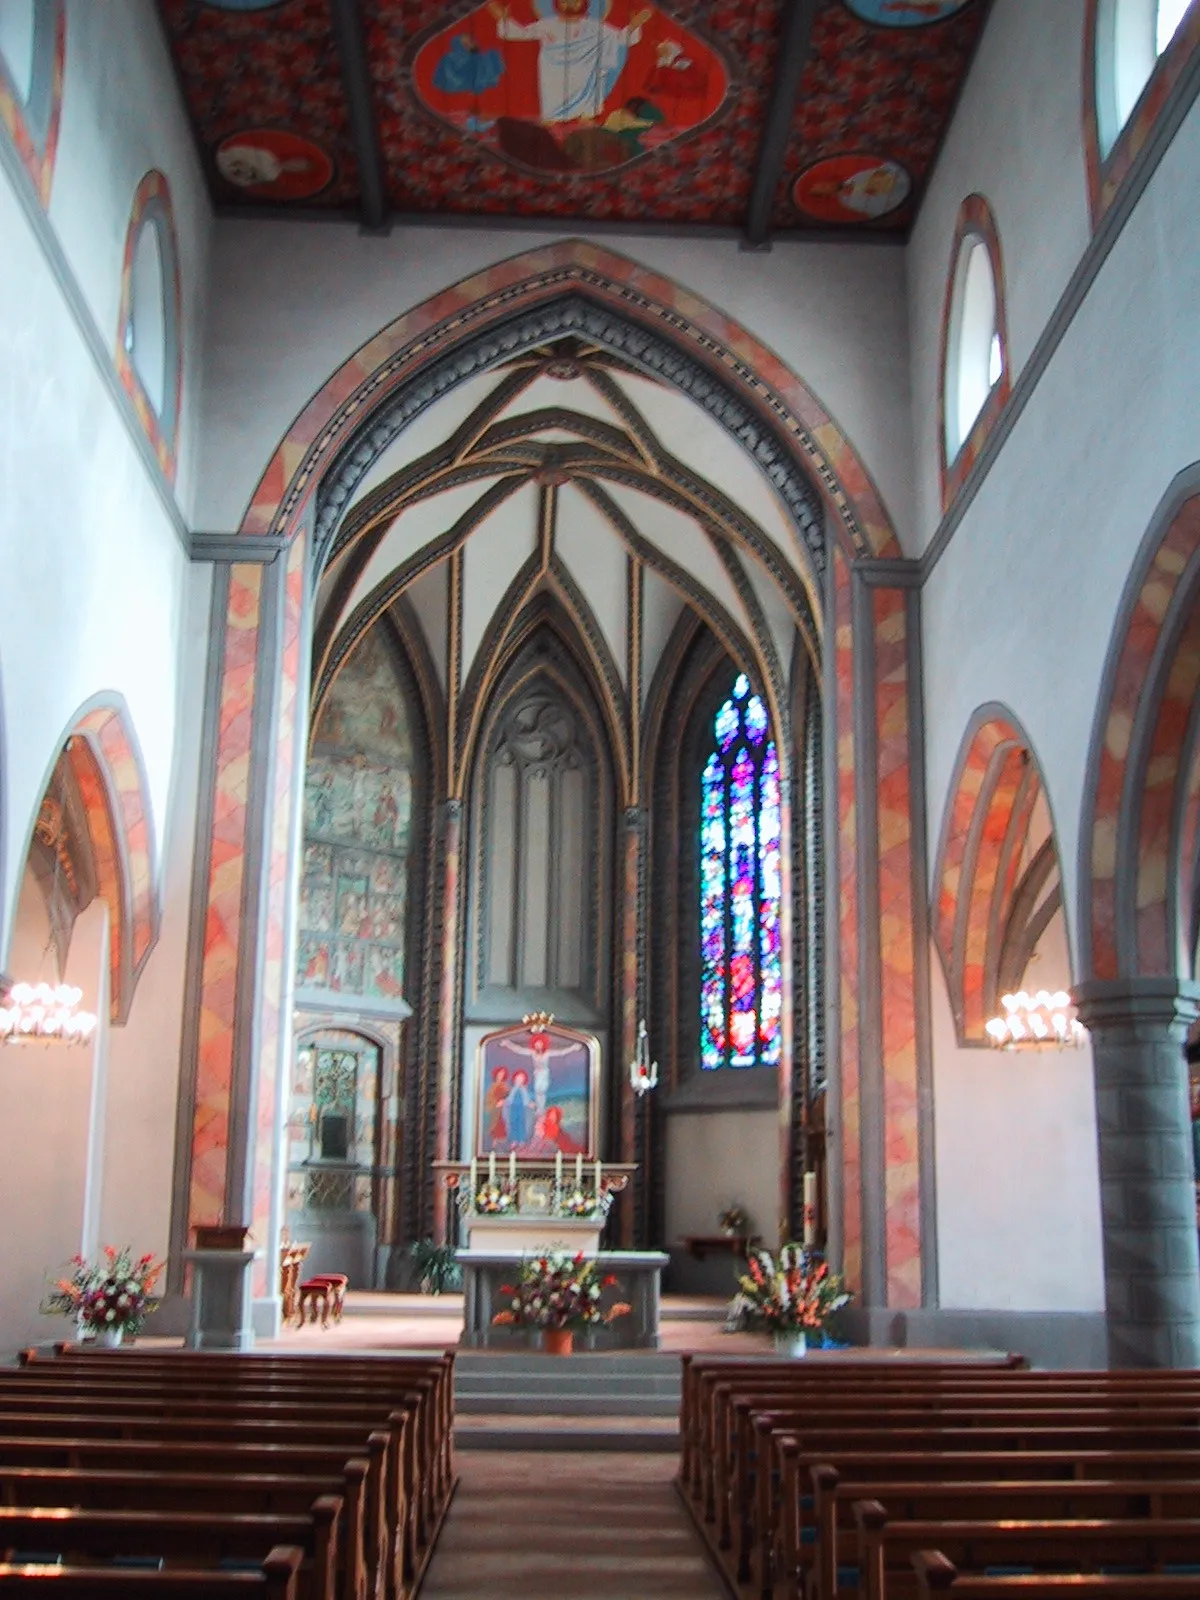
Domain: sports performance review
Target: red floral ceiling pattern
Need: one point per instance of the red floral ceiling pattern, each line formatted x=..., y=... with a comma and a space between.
x=598, y=110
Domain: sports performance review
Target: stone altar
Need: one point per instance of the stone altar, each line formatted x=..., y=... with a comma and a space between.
x=639, y=1273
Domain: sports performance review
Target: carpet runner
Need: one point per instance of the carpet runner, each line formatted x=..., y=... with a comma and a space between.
x=577, y=1526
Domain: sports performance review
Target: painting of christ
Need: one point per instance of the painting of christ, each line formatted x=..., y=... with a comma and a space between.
x=537, y=1092
x=570, y=86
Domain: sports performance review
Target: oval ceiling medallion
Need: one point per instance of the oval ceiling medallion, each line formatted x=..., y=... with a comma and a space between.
x=272, y=164
x=855, y=188
x=904, y=13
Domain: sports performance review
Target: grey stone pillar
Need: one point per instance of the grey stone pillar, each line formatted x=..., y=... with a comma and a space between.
x=1147, y=1177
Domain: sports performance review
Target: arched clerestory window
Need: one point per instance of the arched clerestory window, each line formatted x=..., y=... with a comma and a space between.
x=741, y=982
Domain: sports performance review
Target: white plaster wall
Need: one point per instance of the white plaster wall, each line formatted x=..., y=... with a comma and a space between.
x=53, y=1164
x=716, y=1159
x=1020, y=606
x=292, y=301
x=94, y=575
x=123, y=115
x=1018, y=1190
x=1016, y=139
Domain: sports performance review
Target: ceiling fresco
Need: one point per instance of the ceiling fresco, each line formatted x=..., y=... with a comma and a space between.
x=576, y=110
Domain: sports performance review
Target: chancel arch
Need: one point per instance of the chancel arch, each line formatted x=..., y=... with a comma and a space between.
x=755, y=556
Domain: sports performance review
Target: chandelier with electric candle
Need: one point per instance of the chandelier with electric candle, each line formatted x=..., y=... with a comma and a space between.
x=45, y=1013
x=1031, y=1020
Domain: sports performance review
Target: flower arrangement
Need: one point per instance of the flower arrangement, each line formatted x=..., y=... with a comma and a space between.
x=494, y=1199
x=797, y=1292
x=558, y=1291
x=113, y=1294
x=733, y=1219
x=578, y=1202
x=435, y=1266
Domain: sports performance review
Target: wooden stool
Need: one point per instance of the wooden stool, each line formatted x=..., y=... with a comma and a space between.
x=326, y=1292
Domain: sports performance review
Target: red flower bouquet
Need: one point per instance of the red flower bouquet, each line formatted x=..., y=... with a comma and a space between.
x=557, y=1291
x=111, y=1294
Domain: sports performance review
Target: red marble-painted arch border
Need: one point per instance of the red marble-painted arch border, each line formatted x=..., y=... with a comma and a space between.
x=467, y=308
x=282, y=501
x=996, y=786
x=1141, y=834
x=105, y=764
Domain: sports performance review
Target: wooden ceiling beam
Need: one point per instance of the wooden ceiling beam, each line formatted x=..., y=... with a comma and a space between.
x=794, y=53
x=350, y=36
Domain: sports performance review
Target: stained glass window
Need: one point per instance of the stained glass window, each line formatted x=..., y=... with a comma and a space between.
x=741, y=983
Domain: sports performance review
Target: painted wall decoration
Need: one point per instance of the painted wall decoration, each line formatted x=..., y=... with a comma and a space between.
x=854, y=188
x=357, y=818
x=273, y=164
x=537, y=1092
x=905, y=13
x=570, y=86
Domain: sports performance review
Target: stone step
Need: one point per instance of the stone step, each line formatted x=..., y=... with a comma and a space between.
x=540, y=1403
x=498, y=1431
x=571, y=1381
x=609, y=1363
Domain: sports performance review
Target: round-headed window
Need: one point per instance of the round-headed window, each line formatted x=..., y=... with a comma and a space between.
x=146, y=329
x=975, y=350
x=1130, y=37
x=17, y=37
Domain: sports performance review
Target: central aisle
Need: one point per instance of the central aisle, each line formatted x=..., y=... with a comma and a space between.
x=575, y=1525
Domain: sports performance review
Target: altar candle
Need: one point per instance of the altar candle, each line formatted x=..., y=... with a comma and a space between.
x=579, y=1170
x=491, y=1166
x=598, y=1170
x=512, y=1166
x=474, y=1179
x=558, y=1169
x=810, y=1208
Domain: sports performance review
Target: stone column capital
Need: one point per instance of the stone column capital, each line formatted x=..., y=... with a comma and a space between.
x=1123, y=1005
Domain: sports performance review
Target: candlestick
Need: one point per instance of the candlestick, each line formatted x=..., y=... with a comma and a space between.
x=558, y=1169
x=491, y=1166
x=512, y=1166
x=579, y=1170
x=598, y=1170
x=474, y=1179
x=810, y=1208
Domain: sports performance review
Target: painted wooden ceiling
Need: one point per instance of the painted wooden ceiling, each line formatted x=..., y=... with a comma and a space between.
x=797, y=116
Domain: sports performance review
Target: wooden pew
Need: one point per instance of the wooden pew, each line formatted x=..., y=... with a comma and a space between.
x=275, y=1581
x=210, y=1457
x=400, y=1373
x=937, y=1576
x=234, y=1382
x=804, y=1516
x=886, y=1548
x=112, y=1489
x=836, y=1529
x=754, y=1501
x=406, y=1488
x=178, y=1538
